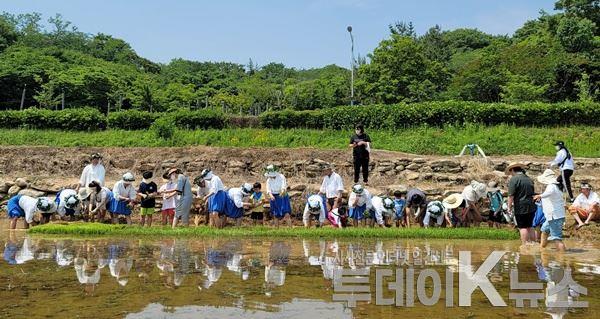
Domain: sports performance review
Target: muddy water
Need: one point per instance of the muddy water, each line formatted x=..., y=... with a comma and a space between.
x=269, y=278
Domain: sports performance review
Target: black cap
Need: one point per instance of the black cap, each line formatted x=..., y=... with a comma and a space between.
x=560, y=143
x=147, y=174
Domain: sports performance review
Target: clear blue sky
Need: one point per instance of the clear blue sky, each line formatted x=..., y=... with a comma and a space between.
x=299, y=33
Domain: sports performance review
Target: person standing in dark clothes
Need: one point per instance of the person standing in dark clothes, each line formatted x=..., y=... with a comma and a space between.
x=361, y=149
x=520, y=200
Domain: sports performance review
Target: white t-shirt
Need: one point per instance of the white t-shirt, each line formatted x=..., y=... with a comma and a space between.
x=377, y=204
x=29, y=206
x=120, y=190
x=236, y=195
x=560, y=157
x=307, y=213
x=62, y=209
x=553, y=203
x=168, y=203
x=277, y=185
x=364, y=198
x=586, y=202
x=92, y=173
x=332, y=185
x=215, y=184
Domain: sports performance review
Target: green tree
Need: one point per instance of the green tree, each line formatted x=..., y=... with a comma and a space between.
x=400, y=71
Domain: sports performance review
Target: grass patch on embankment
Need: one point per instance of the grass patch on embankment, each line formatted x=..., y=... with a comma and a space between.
x=95, y=229
x=583, y=141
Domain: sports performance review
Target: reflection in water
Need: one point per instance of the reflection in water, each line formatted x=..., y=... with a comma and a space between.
x=297, y=308
x=224, y=277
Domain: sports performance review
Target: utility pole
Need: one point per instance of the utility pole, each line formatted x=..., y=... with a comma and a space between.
x=349, y=28
x=23, y=97
x=62, y=99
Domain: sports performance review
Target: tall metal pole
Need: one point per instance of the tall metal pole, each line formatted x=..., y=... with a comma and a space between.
x=23, y=97
x=349, y=28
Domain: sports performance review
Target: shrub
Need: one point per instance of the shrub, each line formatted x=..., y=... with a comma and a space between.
x=131, y=120
x=436, y=114
x=200, y=119
x=80, y=119
x=164, y=127
x=292, y=119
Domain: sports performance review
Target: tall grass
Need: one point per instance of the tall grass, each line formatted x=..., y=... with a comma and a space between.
x=583, y=141
x=95, y=229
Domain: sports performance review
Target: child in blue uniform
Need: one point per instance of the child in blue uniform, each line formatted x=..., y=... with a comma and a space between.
x=216, y=198
x=400, y=215
x=277, y=193
x=235, y=202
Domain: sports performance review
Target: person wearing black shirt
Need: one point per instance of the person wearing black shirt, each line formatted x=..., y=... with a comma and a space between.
x=147, y=191
x=361, y=149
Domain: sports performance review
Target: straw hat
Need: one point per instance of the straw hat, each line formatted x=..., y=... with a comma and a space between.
x=515, y=165
x=453, y=201
x=547, y=177
x=173, y=170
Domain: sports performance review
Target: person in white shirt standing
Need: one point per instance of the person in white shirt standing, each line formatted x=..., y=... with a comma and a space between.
x=553, y=206
x=280, y=205
x=564, y=161
x=92, y=172
x=333, y=189
x=586, y=206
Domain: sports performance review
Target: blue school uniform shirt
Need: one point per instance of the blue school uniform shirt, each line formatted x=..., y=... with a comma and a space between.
x=399, y=205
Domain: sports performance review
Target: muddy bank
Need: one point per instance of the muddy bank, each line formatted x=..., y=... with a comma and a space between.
x=47, y=169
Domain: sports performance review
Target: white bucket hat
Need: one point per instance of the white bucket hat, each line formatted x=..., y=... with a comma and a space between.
x=71, y=201
x=246, y=188
x=44, y=204
x=271, y=171
x=358, y=189
x=547, y=177
x=314, y=204
x=475, y=191
x=128, y=177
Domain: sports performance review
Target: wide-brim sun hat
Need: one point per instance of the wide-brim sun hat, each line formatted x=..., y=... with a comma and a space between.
x=83, y=194
x=547, y=177
x=515, y=165
x=173, y=170
x=478, y=188
x=453, y=201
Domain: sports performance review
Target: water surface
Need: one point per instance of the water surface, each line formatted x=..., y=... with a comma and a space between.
x=43, y=277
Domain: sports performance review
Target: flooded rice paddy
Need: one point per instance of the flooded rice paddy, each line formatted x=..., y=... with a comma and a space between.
x=47, y=277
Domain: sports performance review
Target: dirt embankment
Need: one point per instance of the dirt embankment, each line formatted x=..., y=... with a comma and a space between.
x=48, y=169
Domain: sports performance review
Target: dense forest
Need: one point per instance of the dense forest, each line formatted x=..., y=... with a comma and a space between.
x=553, y=58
